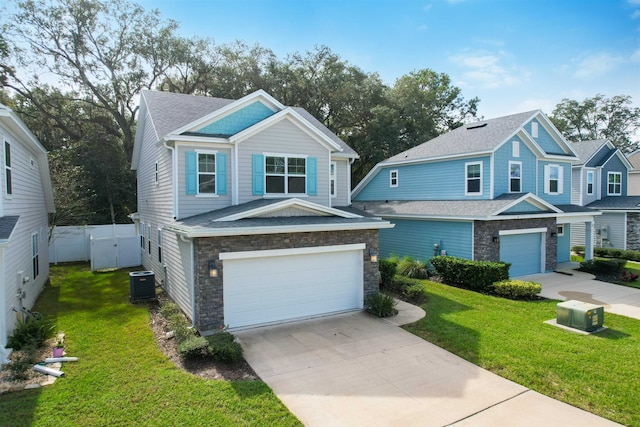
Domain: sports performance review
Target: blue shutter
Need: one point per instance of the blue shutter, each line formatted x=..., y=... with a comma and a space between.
x=221, y=173
x=258, y=174
x=312, y=176
x=191, y=169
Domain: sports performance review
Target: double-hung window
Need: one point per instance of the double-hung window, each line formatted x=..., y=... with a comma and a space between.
x=515, y=177
x=614, y=180
x=589, y=182
x=393, y=178
x=473, y=178
x=332, y=179
x=206, y=173
x=35, y=264
x=7, y=169
x=286, y=175
x=553, y=179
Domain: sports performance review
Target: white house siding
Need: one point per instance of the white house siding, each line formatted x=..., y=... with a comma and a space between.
x=634, y=184
x=28, y=202
x=342, y=183
x=190, y=205
x=177, y=256
x=616, y=229
x=578, y=234
x=575, y=186
x=282, y=138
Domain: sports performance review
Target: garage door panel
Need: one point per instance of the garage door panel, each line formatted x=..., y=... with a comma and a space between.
x=523, y=251
x=275, y=288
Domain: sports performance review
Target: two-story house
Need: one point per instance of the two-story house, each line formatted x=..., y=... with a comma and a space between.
x=492, y=190
x=243, y=211
x=600, y=180
x=633, y=189
x=26, y=201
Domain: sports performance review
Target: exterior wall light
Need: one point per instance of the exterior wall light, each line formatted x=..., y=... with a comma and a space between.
x=554, y=234
x=495, y=239
x=373, y=255
x=213, y=271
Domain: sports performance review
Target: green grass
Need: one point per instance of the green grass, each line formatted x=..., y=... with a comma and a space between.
x=599, y=373
x=122, y=378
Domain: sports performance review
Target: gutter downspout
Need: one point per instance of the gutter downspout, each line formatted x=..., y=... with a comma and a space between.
x=174, y=178
x=193, y=282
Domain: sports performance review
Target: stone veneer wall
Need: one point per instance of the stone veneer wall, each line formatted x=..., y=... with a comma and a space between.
x=486, y=250
x=209, y=302
x=633, y=231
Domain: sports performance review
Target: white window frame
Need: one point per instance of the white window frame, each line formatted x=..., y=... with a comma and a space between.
x=547, y=179
x=560, y=228
x=609, y=183
x=515, y=148
x=534, y=129
x=214, y=173
x=8, y=170
x=142, y=239
x=467, y=179
x=333, y=179
x=592, y=175
x=35, y=255
x=156, y=178
x=160, y=245
x=286, y=173
x=149, y=238
x=393, y=178
x=519, y=178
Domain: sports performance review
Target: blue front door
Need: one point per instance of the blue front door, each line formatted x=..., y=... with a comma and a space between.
x=523, y=251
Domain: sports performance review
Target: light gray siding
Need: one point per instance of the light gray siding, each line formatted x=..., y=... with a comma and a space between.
x=578, y=234
x=342, y=183
x=28, y=202
x=575, y=185
x=282, y=138
x=177, y=256
x=615, y=225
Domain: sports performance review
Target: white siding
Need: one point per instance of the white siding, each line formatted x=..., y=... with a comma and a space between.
x=575, y=185
x=28, y=202
x=578, y=234
x=177, y=256
x=282, y=138
x=616, y=229
x=342, y=183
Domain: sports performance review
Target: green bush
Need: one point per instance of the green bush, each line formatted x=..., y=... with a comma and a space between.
x=194, y=346
x=387, y=269
x=382, y=305
x=224, y=348
x=475, y=275
x=31, y=332
x=168, y=309
x=610, y=253
x=413, y=268
x=606, y=267
x=180, y=327
x=415, y=293
x=22, y=362
x=517, y=289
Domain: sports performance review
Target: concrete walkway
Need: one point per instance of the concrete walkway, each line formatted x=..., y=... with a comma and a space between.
x=357, y=370
x=571, y=284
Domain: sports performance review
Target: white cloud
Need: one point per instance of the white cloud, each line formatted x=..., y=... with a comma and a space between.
x=545, y=104
x=488, y=70
x=634, y=2
x=635, y=14
x=595, y=65
x=635, y=56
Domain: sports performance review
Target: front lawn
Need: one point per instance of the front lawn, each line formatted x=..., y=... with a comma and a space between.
x=122, y=378
x=599, y=373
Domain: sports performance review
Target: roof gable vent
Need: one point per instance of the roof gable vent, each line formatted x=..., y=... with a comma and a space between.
x=476, y=126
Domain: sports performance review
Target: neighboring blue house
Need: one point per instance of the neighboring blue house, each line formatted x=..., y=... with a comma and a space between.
x=497, y=189
x=600, y=180
x=243, y=211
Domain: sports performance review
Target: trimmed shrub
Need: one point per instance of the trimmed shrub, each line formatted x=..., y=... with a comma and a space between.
x=413, y=269
x=415, y=293
x=194, y=346
x=517, y=289
x=31, y=332
x=181, y=330
x=605, y=267
x=224, y=348
x=382, y=305
x=387, y=269
x=475, y=275
x=610, y=253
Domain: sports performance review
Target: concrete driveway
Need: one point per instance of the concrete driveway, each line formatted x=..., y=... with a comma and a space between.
x=356, y=370
x=580, y=286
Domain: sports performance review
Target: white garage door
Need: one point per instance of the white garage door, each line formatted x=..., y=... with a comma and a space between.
x=272, y=286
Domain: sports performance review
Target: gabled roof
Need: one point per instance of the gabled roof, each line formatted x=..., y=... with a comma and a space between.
x=260, y=217
x=634, y=159
x=11, y=121
x=174, y=114
x=587, y=149
x=617, y=203
x=596, y=153
x=7, y=225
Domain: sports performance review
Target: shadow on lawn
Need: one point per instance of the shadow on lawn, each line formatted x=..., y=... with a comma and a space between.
x=438, y=329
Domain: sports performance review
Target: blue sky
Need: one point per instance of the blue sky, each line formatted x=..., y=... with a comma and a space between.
x=514, y=55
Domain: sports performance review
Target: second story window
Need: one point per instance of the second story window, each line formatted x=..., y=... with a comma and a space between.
x=332, y=179
x=393, y=178
x=473, y=178
x=7, y=168
x=553, y=179
x=206, y=173
x=285, y=175
x=614, y=180
x=515, y=177
x=589, y=182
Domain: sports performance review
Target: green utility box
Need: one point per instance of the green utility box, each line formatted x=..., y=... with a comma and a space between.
x=580, y=315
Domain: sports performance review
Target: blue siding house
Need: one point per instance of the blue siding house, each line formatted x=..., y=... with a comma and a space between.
x=601, y=182
x=497, y=189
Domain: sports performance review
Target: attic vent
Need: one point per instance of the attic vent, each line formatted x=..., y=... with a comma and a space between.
x=476, y=126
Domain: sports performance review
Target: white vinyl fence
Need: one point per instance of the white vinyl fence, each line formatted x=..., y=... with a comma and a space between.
x=106, y=246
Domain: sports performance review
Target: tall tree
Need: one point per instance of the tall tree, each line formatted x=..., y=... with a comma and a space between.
x=599, y=118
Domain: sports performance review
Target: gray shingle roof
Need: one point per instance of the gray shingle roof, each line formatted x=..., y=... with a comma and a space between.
x=586, y=149
x=617, y=203
x=170, y=111
x=7, y=224
x=634, y=159
x=473, y=137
